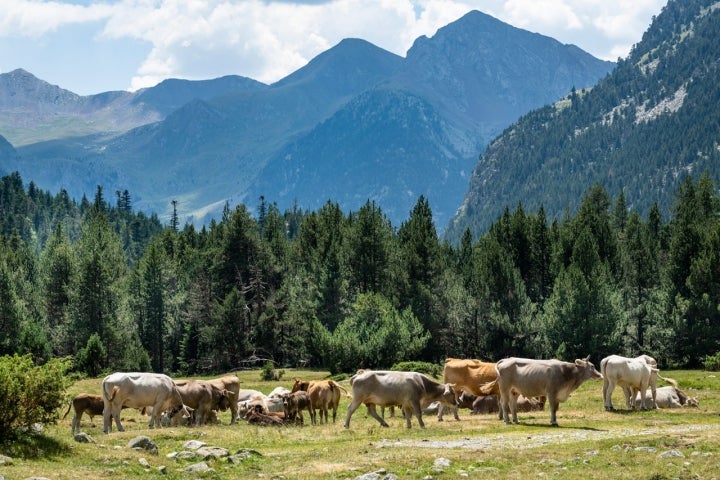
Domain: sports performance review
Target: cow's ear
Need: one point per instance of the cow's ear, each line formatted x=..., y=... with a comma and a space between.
x=580, y=362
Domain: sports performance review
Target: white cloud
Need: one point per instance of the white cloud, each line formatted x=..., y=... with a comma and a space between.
x=32, y=18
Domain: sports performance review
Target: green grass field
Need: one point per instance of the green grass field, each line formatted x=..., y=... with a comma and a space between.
x=589, y=444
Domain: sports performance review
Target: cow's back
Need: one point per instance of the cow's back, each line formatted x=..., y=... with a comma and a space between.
x=468, y=374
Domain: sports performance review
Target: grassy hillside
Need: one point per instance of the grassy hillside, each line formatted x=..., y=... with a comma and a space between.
x=590, y=443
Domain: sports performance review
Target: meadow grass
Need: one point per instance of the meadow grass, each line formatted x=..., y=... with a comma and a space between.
x=590, y=443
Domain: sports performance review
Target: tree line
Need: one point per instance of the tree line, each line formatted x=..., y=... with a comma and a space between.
x=114, y=289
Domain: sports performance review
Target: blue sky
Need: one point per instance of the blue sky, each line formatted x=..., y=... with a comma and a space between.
x=90, y=46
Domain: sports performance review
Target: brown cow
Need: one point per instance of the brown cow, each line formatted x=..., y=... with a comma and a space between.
x=467, y=375
x=324, y=395
x=203, y=397
x=294, y=403
x=84, y=403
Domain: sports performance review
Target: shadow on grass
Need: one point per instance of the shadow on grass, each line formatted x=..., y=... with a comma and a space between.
x=32, y=446
x=561, y=427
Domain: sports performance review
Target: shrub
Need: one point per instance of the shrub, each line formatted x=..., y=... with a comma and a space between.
x=30, y=393
x=712, y=362
x=269, y=373
x=430, y=369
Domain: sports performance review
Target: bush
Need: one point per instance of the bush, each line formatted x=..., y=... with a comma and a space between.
x=30, y=393
x=269, y=373
x=712, y=362
x=430, y=369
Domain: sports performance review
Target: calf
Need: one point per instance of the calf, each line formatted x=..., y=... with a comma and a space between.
x=294, y=403
x=324, y=395
x=84, y=403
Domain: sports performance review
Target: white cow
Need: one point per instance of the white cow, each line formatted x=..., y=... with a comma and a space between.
x=138, y=390
x=633, y=375
x=553, y=379
x=411, y=390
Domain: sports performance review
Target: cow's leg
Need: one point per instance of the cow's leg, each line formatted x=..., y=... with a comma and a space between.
x=418, y=413
x=554, y=403
x=354, y=404
x=233, y=410
x=643, y=392
x=76, y=422
x=513, y=407
x=505, y=406
x=107, y=417
x=629, y=397
x=654, y=395
x=116, y=415
x=372, y=411
x=313, y=413
x=607, y=395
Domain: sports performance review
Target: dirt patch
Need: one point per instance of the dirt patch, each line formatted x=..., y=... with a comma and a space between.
x=521, y=441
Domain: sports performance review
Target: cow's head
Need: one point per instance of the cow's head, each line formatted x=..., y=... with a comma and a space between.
x=221, y=399
x=588, y=369
x=449, y=396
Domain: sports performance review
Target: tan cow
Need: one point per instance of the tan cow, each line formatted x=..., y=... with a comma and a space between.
x=468, y=375
x=412, y=390
x=203, y=397
x=231, y=383
x=324, y=395
x=553, y=379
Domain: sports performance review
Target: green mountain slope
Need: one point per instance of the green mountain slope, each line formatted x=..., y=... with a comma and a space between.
x=655, y=119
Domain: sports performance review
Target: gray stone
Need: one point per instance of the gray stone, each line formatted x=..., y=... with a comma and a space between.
x=162, y=469
x=143, y=442
x=83, y=437
x=186, y=455
x=377, y=475
x=201, y=467
x=212, y=453
x=5, y=460
x=193, y=444
x=144, y=462
x=248, y=452
x=672, y=454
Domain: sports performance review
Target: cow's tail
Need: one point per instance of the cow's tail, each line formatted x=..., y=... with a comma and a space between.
x=68, y=410
x=112, y=393
x=337, y=385
x=668, y=380
x=489, y=388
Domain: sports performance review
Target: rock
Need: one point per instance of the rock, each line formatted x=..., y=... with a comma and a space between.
x=672, y=454
x=212, y=453
x=162, y=469
x=441, y=463
x=5, y=460
x=201, y=467
x=377, y=475
x=83, y=437
x=186, y=455
x=646, y=449
x=248, y=452
x=194, y=444
x=144, y=462
x=143, y=442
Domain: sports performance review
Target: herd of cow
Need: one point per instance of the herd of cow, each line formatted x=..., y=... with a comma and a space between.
x=506, y=387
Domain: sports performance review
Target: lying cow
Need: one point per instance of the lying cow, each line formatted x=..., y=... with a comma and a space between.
x=671, y=397
x=84, y=403
x=554, y=379
x=411, y=390
x=632, y=375
x=489, y=404
x=468, y=375
x=324, y=395
x=203, y=397
x=139, y=390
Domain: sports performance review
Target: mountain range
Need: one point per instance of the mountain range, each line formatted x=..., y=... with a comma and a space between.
x=357, y=123
x=640, y=131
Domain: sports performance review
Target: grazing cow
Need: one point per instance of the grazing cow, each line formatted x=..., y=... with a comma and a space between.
x=231, y=383
x=84, y=403
x=294, y=404
x=203, y=397
x=138, y=390
x=468, y=375
x=671, y=397
x=633, y=375
x=411, y=390
x=324, y=395
x=554, y=379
